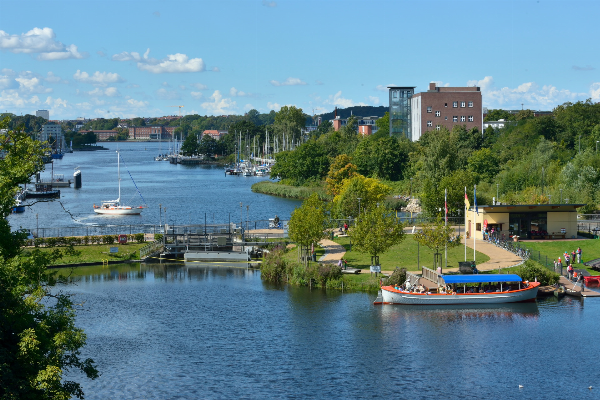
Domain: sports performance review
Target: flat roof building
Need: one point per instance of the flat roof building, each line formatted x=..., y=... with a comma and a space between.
x=400, y=110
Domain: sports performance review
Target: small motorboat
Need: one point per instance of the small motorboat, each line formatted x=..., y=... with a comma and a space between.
x=560, y=291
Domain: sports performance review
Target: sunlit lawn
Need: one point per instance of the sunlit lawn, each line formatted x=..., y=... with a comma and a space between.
x=99, y=252
x=408, y=255
x=590, y=250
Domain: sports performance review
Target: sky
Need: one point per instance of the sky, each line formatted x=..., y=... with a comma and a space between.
x=135, y=58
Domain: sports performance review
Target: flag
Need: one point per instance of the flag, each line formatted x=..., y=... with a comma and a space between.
x=475, y=199
x=467, y=204
x=446, y=205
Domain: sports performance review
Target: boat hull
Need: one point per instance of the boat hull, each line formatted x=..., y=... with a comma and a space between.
x=118, y=211
x=393, y=296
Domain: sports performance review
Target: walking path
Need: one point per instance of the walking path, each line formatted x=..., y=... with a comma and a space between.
x=499, y=258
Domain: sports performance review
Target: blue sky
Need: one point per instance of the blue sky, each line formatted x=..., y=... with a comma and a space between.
x=136, y=58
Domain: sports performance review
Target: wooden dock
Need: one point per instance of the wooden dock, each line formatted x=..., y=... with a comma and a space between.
x=569, y=285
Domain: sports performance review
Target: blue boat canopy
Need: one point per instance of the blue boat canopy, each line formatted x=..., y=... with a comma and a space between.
x=482, y=278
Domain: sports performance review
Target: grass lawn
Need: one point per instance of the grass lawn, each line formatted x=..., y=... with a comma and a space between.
x=590, y=250
x=404, y=255
x=98, y=252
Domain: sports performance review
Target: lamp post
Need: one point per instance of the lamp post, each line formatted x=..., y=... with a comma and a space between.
x=497, y=187
x=597, y=145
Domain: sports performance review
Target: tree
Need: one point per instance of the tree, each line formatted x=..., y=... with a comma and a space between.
x=288, y=121
x=436, y=235
x=376, y=231
x=307, y=162
x=38, y=338
x=369, y=191
x=190, y=145
x=307, y=224
x=341, y=168
x=207, y=146
x=383, y=124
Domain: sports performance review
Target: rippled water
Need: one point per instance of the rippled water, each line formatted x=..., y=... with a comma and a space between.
x=204, y=331
x=188, y=192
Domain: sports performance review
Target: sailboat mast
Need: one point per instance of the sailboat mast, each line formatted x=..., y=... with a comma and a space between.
x=119, y=175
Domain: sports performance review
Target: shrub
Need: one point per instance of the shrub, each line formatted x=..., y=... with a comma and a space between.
x=39, y=242
x=158, y=237
x=397, y=278
x=86, y=240
x=327, y=272
x=108, y=239
x=140, y=237
x=50, y=242
x=531, y=270
x=273, y=267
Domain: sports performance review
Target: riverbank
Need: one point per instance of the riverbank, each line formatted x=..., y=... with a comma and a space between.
x=289, y=191
x=93, y=254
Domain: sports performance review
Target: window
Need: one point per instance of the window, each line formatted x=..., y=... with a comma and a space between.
x=437, y=127
x=438, y=114
x=429, y=123
x=428, y=109
x=463, y=104
x=455, y=104
x=455, y=118
x=462, y=118
x=446, y=118
x=470, y=104
x=445, y=104
x=470, y=118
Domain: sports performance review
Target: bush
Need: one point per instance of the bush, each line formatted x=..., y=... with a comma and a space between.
x=50, y=242
x=158, y=237
x=108, y=239
x=397, y=278
x=273, y=267
x=86, y=240
x=39, y=242
x=531, y=270
x=327, y=272
x=140, y=237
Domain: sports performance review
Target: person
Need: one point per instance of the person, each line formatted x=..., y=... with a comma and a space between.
x=580, y=279
x=276, y=221
x=573, y=257
x=345, y=227
x=570, y=271
x=579, y=255
x=340, y=263
x=345, y=264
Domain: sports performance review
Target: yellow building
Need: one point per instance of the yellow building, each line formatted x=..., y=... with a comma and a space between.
x=526, y=221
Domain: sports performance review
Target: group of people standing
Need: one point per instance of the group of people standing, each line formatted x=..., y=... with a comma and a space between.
x=570, y=259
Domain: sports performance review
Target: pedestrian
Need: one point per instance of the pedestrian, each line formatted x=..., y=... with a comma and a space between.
x=579, y=255
x=573, y=258
x=345, y=264
x=345, y=227
x=340, y=263
x=570, y=271
x=580, y=279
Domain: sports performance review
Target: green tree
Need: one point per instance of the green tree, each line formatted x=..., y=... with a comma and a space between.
x=496, y=115
x=370, y=192
x=307, y=162
x=383, y=124
x=190, y=145
x=288, y=122
x=376, y=231
x=436, y=236
x=38, y=338
x=207, y=146
x=341, y=168
x=307, y=223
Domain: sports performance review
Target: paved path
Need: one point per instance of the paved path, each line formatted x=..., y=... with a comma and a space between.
x=333, y=251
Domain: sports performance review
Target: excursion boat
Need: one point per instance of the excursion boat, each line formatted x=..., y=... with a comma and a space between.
x=510, y=289
x=592, y=280
x=114, y=207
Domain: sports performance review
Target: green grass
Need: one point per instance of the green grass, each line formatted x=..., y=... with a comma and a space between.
x=289, y=191
x=590, y=250
x=97, y=253
x=404, y=255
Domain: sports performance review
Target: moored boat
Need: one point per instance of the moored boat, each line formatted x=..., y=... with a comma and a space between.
x=592, y=280
x=114, y=207
x=509, y=288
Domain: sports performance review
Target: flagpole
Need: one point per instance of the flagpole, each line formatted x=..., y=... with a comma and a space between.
x=475, y=230
x=446, y=218
x=466, y=210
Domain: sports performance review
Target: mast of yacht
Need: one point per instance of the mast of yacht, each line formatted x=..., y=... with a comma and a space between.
x=119, y=177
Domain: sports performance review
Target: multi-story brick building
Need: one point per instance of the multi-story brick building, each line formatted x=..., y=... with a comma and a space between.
x=215, y=134
x=447, y=107
x=151, y=132
x=102, y=134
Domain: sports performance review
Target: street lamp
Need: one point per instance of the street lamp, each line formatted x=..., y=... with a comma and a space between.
x=497, y=186
x=597, y=145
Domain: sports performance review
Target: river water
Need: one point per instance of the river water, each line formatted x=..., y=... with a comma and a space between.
x=189, y=193
x=199, y=331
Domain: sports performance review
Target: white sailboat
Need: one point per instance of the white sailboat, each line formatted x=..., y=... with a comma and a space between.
x=114, y=207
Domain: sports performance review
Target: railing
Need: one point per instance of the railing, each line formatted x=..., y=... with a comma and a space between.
x=432, y=276
x=93, y=230
x=150, y=248
x=412, y=278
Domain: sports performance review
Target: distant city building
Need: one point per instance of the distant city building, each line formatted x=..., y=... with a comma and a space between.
x=400, y=110
x=498, y=124
x=447, y=107
x=215, y=134
x=103, y=134
x=52, y=133
x=366, y=125
x=43, y=113
x=151, y=132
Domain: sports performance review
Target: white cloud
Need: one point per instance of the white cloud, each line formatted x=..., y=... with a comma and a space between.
x=52, y=78
x=108, y=92
x=31, y=85
x=233, y=92
x=41, y=41
x=530, y=94
x=133, y=86
x=374, y=100
x=137, y=103
x=166, y=94
x=199, y=86
x=173, y=63
x=288, y=82
x=319, y=83
x=595, y=91
x=439, y=84
x=182, y=87
x=219, y=104
x=273, y=106
x=55, y=103
x=10, y=99
x=166, y=84
x=270, y=4
x=196, y=95
x=99, y=78
x=215, y=69
x=338, y=100
x=101, y=53
x=384, y=88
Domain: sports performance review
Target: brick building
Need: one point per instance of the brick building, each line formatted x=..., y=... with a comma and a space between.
x=215, y=134
x=102, y=134
x=446, y=106
x=151, y=132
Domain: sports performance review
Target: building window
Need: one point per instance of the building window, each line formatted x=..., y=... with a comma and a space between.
x=437, y=127
x=455, y=118
x=470, y=118
x=455, y=104
x=470, y=104
x=428, y=109
x=445, y=104
x=463, y=104
x=462, y=118
x=438, y=114
x=446, y=118
x=429, y=123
